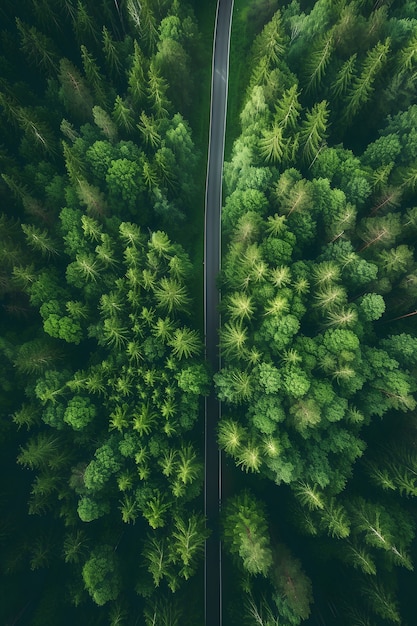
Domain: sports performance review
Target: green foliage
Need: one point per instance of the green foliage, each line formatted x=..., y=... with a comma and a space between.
x=101, y=575
x=313, y=131
x=102, y=368
x=362, y=86
x=318, y=298
x=246, y=534
x=79, y=412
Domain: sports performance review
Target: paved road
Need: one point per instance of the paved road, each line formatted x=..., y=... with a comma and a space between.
x=212, y=251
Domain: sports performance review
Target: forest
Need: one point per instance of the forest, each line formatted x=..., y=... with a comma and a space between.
x=104, y=118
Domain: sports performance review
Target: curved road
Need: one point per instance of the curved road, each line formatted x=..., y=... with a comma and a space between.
x=212, y=251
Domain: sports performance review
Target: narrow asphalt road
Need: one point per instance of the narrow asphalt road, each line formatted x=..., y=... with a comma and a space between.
x=212, y=252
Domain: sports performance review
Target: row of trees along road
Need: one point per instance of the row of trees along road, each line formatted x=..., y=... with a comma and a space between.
x=318, y=332
x=101, y=352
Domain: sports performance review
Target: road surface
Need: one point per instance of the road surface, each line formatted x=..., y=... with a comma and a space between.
x=212, y=252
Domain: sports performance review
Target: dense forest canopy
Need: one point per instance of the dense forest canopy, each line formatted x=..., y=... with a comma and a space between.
x=102, y=372
x=104, y=122
x=318, y=335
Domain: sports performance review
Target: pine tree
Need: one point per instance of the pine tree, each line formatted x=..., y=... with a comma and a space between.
x=317, y=63
x=246, y=533
x=123, y=115
x=156, y=554
x=381, y=600
x=270, y=42
x=313, y=131
x=185, y=342
x=37, y=47
x=233, y=339
x=105, y=123
x=288, y=109
x=136, y=77
x=84, y=24
x=171, y=295
x=344, y=77
x=309, y=496
x=39, y=451
x=363, y=85
x=272, y=145
x=111, y=53
x=249, y=457
x=157, y=90
x=240, y=306
x=36, y=130
x=40, y=241
x=148, y=129
x=188, y=539
x=74, y=91
x=231, y=436
x=94, y=77
x=74, y=546
x=335, y=520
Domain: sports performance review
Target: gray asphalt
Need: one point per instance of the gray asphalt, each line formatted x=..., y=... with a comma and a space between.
x=212, y=255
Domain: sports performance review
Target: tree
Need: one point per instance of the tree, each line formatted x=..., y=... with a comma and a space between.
x=157, y=555
x=288, y=109
x=293, y=589
x=111, y=52
x=174, y=63
x=249, y=457
x=305, y=414
x=371, y=306
x=74, y=91
x=38, y=48
x=381, y=600
x=189, y=535
x=233, y=339
x=362, y=86
x=123, y=115
x=74, y=546
x=318, y=61
x=124, y=180
x=157, y=92
x=80, y=412
x=379, y=231
x=94, y=77
x=313, y=131
x=84, y=25
x=309, y=496
x=40, y=241
x=272, y=145
x=246, y=536
x=101, y=575
x=106, y=462
x=40, y=451
x=231, y=436
x=62, y=327
x=155, y=510
x=171, y=295
x=335, y=520
x=136, y=76
x=270, y=42
x=185, y=342
x=148, y=129
x=105, y=123
x=344, y=77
